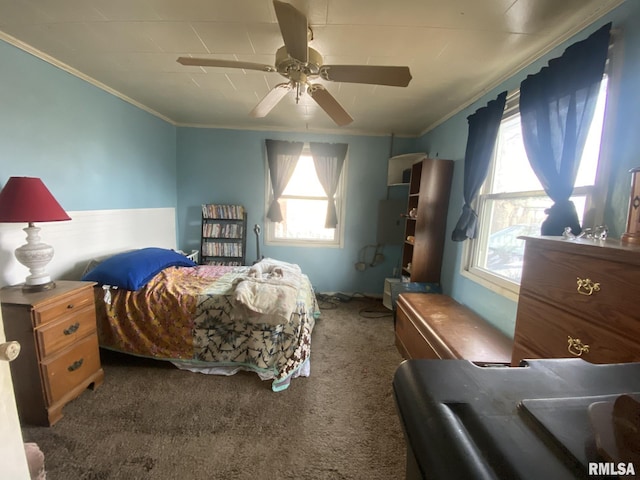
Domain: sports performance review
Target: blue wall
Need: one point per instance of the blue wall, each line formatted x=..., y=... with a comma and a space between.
x=228, y=166
x=92, y=150
x=449, y=141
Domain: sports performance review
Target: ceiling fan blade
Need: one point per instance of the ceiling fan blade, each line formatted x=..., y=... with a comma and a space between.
x=212, y=62
x=329, y=104
x=371, y=74
x=294, y=30
x=270, y=100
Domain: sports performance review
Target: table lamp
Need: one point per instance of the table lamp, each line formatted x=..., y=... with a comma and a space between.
x=27, y=199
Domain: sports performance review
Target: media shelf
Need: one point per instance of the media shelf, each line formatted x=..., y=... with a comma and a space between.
x=224, y=234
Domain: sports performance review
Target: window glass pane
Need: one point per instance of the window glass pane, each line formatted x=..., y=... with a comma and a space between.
x=513, y=173
x=512, y=170
x=304, y=209
x=304, y=181
x=502, y=253
x=303, y=219
x=589, y=162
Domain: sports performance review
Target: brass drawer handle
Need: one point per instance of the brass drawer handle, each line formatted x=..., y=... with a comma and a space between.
x=576, y=347
x=75, y=365
x=586, y=286
x=72, y=329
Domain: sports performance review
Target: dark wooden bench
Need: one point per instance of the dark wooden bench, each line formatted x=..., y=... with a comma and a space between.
x=435, y=326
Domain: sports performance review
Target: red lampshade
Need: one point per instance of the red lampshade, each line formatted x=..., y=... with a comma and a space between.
x=27, y=199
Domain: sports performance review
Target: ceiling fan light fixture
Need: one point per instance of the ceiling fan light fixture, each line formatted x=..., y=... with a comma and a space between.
x=286, y=64
x=300, y=64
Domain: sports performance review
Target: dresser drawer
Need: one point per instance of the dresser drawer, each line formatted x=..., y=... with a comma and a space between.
x=608, y=294
x=544, y=331
x=63, y=305
x=54, y=336
x=70, y=368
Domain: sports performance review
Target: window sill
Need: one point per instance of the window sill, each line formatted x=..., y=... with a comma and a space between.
x=508, y=290
x=301, y=243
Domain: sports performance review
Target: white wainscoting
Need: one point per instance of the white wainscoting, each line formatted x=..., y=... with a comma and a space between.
x=90, y=234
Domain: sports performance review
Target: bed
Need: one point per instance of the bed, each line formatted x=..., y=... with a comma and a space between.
x=159, y=304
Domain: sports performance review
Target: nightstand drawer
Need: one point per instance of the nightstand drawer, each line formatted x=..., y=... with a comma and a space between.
x=54, y=336
x=63, y=305
x=71, y=368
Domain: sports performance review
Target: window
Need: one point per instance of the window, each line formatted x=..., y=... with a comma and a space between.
x=512, y=202
x=304, y=209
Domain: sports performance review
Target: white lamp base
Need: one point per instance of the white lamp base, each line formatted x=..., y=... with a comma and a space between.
x=35, y=255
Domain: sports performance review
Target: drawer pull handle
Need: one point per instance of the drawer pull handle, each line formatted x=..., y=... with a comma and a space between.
x=586, y=286
x=72, y=329
x=75, y=365
x=576, y=347
x=70, y=306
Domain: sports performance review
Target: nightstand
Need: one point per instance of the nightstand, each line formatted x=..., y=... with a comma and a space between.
x=60, y=357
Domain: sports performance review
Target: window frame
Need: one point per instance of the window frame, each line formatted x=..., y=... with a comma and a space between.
x=340, y=199
x=595, y=197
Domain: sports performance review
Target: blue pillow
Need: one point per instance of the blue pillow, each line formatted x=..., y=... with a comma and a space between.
x=133, y=270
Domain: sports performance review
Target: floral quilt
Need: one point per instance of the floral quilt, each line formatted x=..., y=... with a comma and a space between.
x=187, y=314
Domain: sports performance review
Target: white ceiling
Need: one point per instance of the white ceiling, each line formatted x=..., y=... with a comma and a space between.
x=456, y=50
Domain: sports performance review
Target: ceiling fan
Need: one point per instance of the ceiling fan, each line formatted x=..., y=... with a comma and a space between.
x=300, y=64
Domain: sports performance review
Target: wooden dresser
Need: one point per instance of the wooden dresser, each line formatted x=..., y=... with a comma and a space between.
x=59, y=358
x=578, y=298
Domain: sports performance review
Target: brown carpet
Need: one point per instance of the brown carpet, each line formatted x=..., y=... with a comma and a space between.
x=150, y=420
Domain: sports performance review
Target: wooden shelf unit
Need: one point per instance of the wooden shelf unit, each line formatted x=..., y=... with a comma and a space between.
x=429, y=189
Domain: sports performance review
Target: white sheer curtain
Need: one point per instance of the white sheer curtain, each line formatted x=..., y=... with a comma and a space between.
x=328, y=158
x=282, y=158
